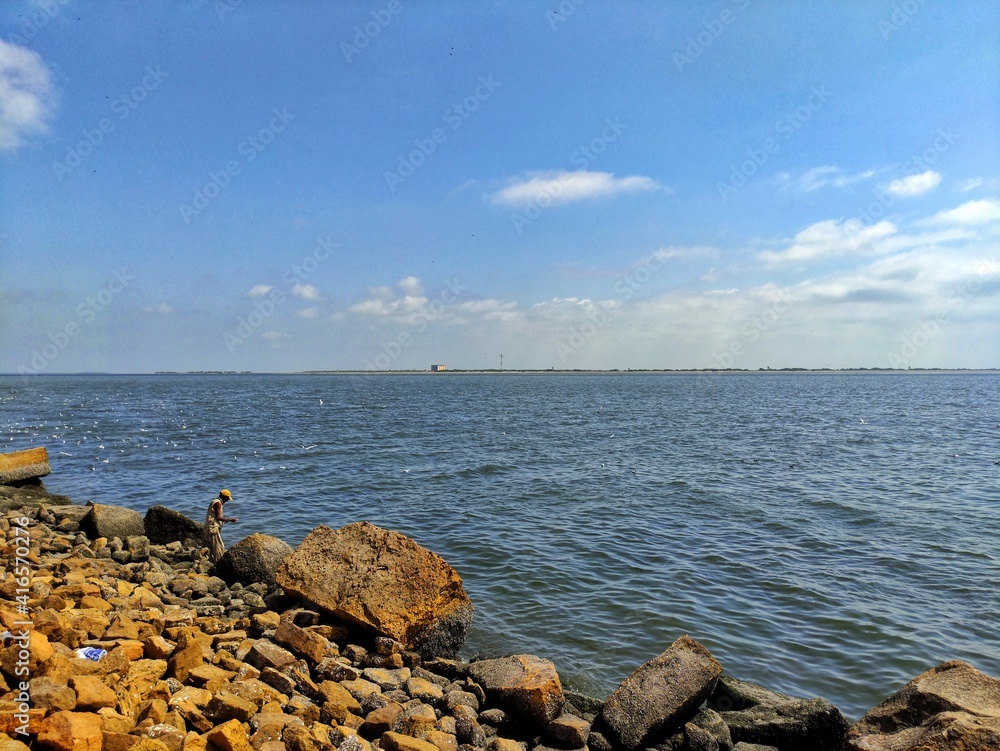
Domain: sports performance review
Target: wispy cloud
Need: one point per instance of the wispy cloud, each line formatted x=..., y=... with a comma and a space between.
x=983, y=211
x=259, y=290
x=566, y=187
x=914, y=185
x=27, y=99
x=975, y=183
x=822, y=177
x=306, y=291
x=830, y=238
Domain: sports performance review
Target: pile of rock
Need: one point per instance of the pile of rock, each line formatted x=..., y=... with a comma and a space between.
x=348, y=643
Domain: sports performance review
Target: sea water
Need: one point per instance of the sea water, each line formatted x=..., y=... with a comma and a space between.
x=822, y=534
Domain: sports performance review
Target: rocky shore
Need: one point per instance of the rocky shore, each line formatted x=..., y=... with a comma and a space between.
x=349, y=642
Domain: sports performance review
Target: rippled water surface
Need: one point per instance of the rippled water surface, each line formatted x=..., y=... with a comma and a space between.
x=825, y=535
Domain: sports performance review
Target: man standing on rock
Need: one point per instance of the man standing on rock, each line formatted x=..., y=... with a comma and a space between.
x=214, y=520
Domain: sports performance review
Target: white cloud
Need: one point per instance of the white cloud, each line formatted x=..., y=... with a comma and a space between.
x=988, y=183
x=27, y=100
x=673, y=251
x=820, y=177
x=259, y=290
x=411, y=286
x=565, y=187
x=983, y=211
x=831, y=238
x=915, y=185
x=308, y=313
x=306, y=291
x=273, y=336
x=164, y=308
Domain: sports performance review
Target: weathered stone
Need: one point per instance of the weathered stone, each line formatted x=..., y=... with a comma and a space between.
x=38, y=648
x=662, y=694
x=712, y=723
x=415, y=720
x=454, y=698
x=228, y=707
x=298, y=738
x=952, y=706
x=208, y=676
x=524, y=684
x=164, y=525
x=162, y=737
x=158, y=648
x=112, y=521
x=229, y=736
x=805, y=725
x=424, y=690
x=307, y=644
x=253, y=559
x=184, y=660
x=380, y=721
x=116, y=741
x=504, y=744
x=732, y=694
x=383, y=581
x=569, y=731
x=71, y=731
x=192, y=714
x=47, y=694
x=398, y=742
x=337, y=694
x=443, y=741
x=266, y=654
x=18, y=466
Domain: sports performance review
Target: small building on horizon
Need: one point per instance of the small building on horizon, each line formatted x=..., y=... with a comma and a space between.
x=438, y=368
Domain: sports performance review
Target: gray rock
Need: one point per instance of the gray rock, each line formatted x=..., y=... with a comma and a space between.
x=582, y=705
x=138, y=547
x=753, y=747
x=805, y=725
x=732, y=694
x=164, y=525
x=711, y=722
x=112, y=521
x=253, y=559
x=662, y=694
x=951, y=706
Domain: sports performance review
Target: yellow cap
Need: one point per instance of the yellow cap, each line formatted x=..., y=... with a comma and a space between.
x=226, y=494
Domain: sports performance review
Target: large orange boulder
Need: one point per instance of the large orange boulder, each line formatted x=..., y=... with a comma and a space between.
x=382, y=581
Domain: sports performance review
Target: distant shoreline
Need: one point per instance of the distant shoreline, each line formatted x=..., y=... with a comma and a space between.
x=546, y=371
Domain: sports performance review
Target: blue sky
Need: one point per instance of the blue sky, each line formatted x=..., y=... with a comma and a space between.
x=222, y=185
